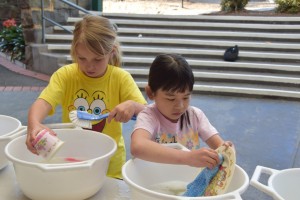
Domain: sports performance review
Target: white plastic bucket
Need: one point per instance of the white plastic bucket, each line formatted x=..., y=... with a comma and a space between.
x=15, y=130
x=4, y=141
x=8, y=125
x=140, y=175
x=282, y=185
x=68, y=181
x=10, y=128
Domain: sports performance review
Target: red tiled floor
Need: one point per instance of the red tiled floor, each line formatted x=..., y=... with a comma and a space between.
x=17, y=88
x=26, y=88
x=35, y=88
x=8, y=88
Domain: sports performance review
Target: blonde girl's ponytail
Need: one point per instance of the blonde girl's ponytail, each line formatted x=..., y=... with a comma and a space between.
x=99, y=35
x=116, y=56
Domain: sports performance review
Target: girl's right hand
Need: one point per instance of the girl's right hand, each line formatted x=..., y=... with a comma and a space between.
x=204, y=157
x=32, y=131
x=37, y=113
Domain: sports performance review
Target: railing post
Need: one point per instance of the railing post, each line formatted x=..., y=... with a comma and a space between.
x=97, y=5
x=44, y=18
x=43, y=22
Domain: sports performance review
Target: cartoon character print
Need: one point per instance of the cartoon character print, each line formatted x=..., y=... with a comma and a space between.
x=217, y=182
x=221, y=180
x=94, y=104
x=165, y=138
x=41, y=145
x=190, y=139
x=221, y=177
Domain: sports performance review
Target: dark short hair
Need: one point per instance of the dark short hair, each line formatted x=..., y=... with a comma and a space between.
x=170, y=72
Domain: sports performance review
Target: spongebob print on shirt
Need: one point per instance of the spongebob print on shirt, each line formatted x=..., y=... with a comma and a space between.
x=92, y=103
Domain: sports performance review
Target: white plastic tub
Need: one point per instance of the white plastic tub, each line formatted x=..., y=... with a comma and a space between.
x=140, y=175
x=65, y=181
x=4, y=141
x=8, y=125
x=282, y=185
x=10, y=128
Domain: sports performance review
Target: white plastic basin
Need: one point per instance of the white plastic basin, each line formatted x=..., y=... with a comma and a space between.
x=140, y=175
x=68, y=181
x=9, y=126
x=282, y=184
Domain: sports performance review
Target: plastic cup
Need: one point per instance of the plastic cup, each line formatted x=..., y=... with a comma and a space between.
x=46, y=144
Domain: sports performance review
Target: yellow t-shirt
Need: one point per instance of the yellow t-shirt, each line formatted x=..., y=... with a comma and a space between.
x=71, y=89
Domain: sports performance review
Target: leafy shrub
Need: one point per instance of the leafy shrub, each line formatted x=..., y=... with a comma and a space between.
x=233, y=5
x=288, y=6
x=12, y=40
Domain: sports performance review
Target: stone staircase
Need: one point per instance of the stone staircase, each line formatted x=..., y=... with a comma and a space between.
x=268, y=64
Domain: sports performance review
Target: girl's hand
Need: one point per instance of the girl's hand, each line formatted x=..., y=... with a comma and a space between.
x=125, y=111
x=122, y=112
x=204, y=157
x=228, y=144
x=32, y=131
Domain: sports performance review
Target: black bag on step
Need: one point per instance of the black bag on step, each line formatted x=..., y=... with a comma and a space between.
x=231, y=54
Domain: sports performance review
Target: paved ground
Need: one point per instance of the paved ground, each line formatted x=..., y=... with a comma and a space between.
x=265, y=131
x=171, y=7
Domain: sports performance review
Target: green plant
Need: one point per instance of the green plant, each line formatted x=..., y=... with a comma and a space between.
x=233, y=5
x=12, y=40
x=288, y=6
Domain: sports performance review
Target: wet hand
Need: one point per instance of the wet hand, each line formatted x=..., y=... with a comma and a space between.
x=228, y=144
x=32, y=131
x=204, y=157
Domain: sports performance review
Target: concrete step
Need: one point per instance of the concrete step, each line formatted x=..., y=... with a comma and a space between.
x=209, y=43
x=220, y=18
x=188, y=34
x=141, y=40
x=253, y=77
x=213, y=65
x=240, y=91
x=243, y=66
x=210, y=34
x=208, y=52
x=193, y=51
x=197, y=25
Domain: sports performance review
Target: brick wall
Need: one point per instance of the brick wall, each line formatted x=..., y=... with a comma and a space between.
x=9, y=9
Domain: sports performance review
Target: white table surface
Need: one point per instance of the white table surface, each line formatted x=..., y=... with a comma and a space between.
x=113, y=189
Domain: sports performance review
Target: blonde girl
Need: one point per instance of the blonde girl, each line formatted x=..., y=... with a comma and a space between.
x=95, y=83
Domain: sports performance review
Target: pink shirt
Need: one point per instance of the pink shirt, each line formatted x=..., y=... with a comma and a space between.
x=164, y=131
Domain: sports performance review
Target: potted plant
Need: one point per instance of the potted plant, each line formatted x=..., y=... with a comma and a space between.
x=12, y=40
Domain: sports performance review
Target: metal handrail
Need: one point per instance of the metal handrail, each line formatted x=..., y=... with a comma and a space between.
x=44, y=18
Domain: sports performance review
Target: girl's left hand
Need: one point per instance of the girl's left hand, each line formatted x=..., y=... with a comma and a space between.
x=228, y=144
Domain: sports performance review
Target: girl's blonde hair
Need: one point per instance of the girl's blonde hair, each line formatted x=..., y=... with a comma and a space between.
x=99, y=36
